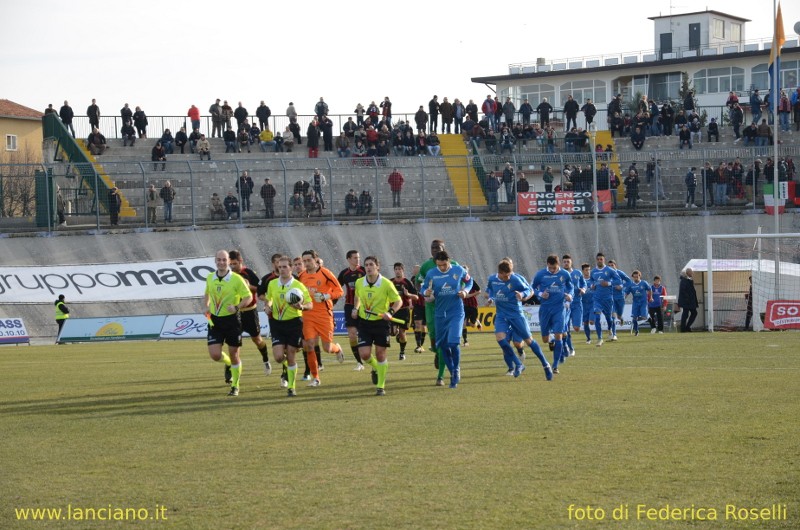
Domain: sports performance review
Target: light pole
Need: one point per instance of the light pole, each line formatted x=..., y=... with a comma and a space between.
x=592, y=137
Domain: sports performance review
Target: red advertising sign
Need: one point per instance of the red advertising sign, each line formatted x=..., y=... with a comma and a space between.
x=782, y=314
x=562, y=202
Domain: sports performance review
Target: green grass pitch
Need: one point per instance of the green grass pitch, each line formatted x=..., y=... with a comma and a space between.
x=693, y=422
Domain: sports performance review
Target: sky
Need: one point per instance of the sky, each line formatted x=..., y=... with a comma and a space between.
x=165, y=56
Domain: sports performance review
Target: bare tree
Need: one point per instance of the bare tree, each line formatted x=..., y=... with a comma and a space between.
x=17, y=182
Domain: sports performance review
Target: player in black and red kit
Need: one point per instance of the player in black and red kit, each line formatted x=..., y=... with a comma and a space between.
x=471, y=309
x=249, y=314
x=347, y=279
x=408, y=294
x=418, y=315
x=262, y=295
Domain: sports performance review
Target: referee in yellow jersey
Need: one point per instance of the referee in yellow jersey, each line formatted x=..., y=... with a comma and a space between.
x=226, y=294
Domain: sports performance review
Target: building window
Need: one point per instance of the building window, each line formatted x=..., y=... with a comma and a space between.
x=665, y=87
x=11, y=142
x=718, y=28
x=594, y=89
x=719, y=80
x=736, y=32
x=535, y=93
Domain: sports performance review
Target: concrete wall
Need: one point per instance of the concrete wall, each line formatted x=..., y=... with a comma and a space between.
x=654, y=245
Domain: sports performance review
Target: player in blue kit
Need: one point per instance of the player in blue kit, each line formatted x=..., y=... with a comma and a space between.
x=588, y=301
x=657, y=304
x=575, y=311
x=553, y=286
x=507, y=291
x=605, y=281
x=641, y=294
x=447, y=285
x=619, y=297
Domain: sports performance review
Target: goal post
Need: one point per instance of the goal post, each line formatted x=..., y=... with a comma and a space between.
x=752, y=281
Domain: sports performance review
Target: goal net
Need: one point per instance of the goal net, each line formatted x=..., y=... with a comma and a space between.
x=752, y=282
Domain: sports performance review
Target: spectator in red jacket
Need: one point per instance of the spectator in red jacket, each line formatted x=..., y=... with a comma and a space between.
x=396, y=181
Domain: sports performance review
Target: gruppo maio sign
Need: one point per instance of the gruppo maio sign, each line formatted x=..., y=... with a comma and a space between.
x=108, y=282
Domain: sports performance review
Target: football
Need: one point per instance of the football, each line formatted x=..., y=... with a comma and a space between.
x=294, y=296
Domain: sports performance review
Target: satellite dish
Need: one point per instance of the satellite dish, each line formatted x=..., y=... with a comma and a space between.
x=797, y=27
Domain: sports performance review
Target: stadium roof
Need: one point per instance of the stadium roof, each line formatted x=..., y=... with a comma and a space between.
x=733, y=265
x=9, y=109
x=709, y=11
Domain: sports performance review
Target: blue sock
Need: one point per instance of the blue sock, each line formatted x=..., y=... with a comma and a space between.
x=559, y=344
x=456, y=356
x=537, y=351
x=509, y=356
x=587, y=330
x=612, y=326
x=598, y=327
x=635, y=325
x=568, y=341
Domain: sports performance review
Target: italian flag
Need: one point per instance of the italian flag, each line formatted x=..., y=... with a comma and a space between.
x=770, y=201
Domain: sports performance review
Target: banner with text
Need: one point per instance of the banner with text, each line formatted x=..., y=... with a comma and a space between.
x=486, y=317
x=13, y=331
x=562, y=202
x=111, y=328
x=107, y=282
x=782, y=314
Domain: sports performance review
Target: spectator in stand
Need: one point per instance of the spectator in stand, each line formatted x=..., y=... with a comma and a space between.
x=490, y=138
x=203, y=147
x=268, y=193
x=713, y=130
x=459, y=113
x=795, y=100
x=140, y=122
x=181, y=139
x=508, y=182
x=230, y=140
x=231, y=204
x=167, y=141
x=278, y=143
x=488, y=108
x=114, y=205
x=321, y=108
x=227, y=114
x=613, y=182
x=421, y=143
x=350, y=202
x=523, y=186
x=472, y=110
x=326, y=127
x=684, y=137
x=245, y=186
x=732, y=98
x=509, y=110
x=167, y=194
x=360, y=111
x=386, y=111
x=784, y=109
x=525, y=110
x=409, y=143
x=96, y=142
x=544, y=109
x=570, y=113
x=691, y=185
x=751, y=182
x=750, y=134
x=433, y=112
x=254, y=133
x=637, y=139
x=434, y=147
x=421, y=119
x=721, y=180
x=632, y=188
x=365, y=203
x=737, y=118
x=446, y=110
x=266, y=140
x=216, y=207
x=396, y=181
x=193, y=139
x=349, y=128
x=755, y=105
x=506, y=141
x=288, y=139
x=764, y=134
x=194, y=117
x=491, y=185
x=128, y=134
x=93, y=112
x=66, y=114
x=263, y=113
x=158, y=154
x=126, y=114
x=359, y=150
x=312, y=133
x=696, y=130
x=151, y=199
x=618, y=125
x=589, y=112
x=547, y=177
x=343, y=145
x=243, y=139
x=217, y=120
x=50, y=110
x=241, y=115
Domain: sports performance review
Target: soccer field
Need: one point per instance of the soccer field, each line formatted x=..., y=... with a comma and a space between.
x=706, y=424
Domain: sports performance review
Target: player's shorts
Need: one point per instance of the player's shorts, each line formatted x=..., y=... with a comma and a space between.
x=250, y=322
x=576, y=313
x=320, y=325
x=639, y=311
x=419, y=313
x=601, y=305
x=551, y=319
x=515, y=326
x=226, y=330
x=619, y=307
x=349, y=321
x=448, y=330
x=587, y=311
x=373, y=332
x=470, y=315
x=404, y=315
x=287, y=332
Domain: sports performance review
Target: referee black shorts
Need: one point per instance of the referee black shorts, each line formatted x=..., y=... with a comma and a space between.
x=287, y=332
x=373, y=332
x=250, y=322
x=225, y=330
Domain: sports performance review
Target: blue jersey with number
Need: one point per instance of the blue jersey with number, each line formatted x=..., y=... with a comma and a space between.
x=446, y=286
x=578, y=282
x=638, y=291
x=619, y=294
x=659, y=292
